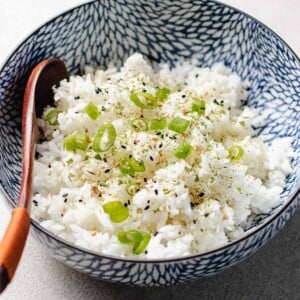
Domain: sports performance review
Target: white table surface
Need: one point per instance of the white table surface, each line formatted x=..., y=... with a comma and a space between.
x=41, y=277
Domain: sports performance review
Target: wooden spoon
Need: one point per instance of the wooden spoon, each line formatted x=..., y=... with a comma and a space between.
x=38, y=94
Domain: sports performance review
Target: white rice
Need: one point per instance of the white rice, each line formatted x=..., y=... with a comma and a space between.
x=188, y=205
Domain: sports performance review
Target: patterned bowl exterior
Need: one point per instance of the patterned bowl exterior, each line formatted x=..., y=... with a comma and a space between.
x=105, y=31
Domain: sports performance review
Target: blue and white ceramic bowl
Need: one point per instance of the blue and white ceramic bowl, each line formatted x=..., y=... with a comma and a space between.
x=103, y=31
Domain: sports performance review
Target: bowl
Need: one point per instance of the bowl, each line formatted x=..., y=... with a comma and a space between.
x=100, y=32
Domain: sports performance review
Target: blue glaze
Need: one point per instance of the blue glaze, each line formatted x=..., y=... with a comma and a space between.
x=103, y=31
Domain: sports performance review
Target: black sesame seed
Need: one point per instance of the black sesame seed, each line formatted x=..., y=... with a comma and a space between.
x=65, y=200
x=103, y=108
x=77, y=97
x=158, y=133
x=197, y=75
x=147, y=207
x=156, y=233
x=201, y=194
x=65, y=195
x=160, y=145
x=146, y=252
x=143, y=83
x=183, y=96
x=104, y=159
x=145, y=179
x=176, y=195
x=206, y=215
x=135, y=142
x=107, y=171
x=151, y=158
x=142, y=116
x=49, y=166
x=80, y=200
x=154, y=180
x=97, y=90
x=62, y=215
x=123, y=146
x=125, y=204
x=156, y=192
x=35, y=202
x=194, y=221
x=128, y=202
x=130, y=156
x=148, y=201
x=144, y=90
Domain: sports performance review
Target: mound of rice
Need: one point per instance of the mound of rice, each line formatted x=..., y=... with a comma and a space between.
x=188, y=205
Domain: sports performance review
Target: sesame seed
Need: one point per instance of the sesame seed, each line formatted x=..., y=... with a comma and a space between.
x=147, y=207
x=77, y=97
x=130, y=156
x=103, y=108
x=156, y=192
x=35, y=202
x=107, y=171
x=145, y=179
x=80, y=200
x=65, y=195
x=128, y=202
x=123, y=146
x=151, y=158
x=65, y=200
x=206, y=215
x=125, y=204
x=146, y=252
x=197, y=75
x=158, y=133
x=201, y=194
x=183, y=96
x=148, y=201
x=62, y=215
x=160, y=145
x=104, y=159
x=97, y=90
x=156, y=233
x=194, y=221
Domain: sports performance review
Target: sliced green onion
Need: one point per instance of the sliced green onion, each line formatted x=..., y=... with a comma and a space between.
x=130, y=237
x=76, y=141
x=92, y=111
x=129, y=166
x=143, y=100
x=183, y=150
x=116, y=210
x=52, y=117
x=235, y=153
x=158, y=124
x=112, y=206
x=139, y=247
x=104, y=138
x=198, y=106
x=139, y=240
x=120, y=216
x=163, y=93
x=137, y=166
x=131, y=188
x=179, y=125
x=139, y=124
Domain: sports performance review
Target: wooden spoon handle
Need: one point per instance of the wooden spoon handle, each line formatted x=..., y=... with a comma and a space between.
x=12, y=245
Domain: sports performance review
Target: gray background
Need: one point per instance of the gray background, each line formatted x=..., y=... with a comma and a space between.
x=272, y=273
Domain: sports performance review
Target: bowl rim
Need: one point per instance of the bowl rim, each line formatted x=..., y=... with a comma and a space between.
x=281, y=209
